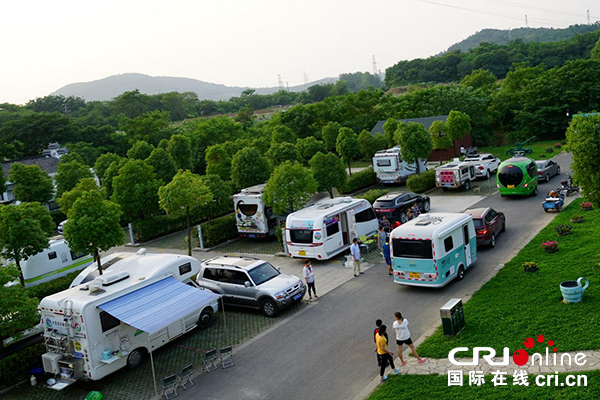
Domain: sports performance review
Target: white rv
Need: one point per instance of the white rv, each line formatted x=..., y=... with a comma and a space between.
x=327, y=228
x=253, y=217
x=140, y=303
x=455, y=175
x=390, y=168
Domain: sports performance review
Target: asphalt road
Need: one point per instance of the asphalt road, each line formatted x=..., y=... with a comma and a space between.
x=328, y=351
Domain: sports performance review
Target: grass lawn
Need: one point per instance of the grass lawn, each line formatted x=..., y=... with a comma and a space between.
x=436, y=387
x=515, y=305
x=539, y=149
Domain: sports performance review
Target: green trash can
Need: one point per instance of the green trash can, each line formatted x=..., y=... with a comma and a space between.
x=453, y=318
x=94, y=395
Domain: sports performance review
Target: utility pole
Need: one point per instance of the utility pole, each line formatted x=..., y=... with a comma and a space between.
x=305, y=77
x=509, y=34
x=526, y=23
x=287, y=85
x=588, y=17
x=374, y=66
x=279, y=82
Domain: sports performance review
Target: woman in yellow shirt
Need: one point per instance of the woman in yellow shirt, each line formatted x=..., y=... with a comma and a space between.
x=384, y=353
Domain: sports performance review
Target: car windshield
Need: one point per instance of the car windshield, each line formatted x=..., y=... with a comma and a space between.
x=263, y=273
x=510, y=175
x=540, y=164
x=478, y=223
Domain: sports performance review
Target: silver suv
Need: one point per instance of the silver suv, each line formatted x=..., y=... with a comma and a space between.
x=250, y=282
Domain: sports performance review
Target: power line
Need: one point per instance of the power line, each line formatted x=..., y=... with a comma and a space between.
x=535, y=8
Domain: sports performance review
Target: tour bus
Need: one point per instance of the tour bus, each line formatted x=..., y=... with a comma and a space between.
x=327, y=227
x=390, y=168
x=517, y=176
x=433, y=249
x=139, y=304
x=254, y=218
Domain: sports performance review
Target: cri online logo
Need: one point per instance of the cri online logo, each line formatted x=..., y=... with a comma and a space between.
x=520, y=357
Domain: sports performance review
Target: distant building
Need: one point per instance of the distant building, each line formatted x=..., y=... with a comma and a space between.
x=435, y=155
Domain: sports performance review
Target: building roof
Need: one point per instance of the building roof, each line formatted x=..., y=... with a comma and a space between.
x=426, y=122
x=48, y=164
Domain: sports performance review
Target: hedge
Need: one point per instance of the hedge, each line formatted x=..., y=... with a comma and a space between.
x=15, y=368
x=54, y=286
x=359, y=180
x=373, y=195
x=422, y=182
x=219, y=230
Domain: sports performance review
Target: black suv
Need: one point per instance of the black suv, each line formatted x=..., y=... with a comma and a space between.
x=394, y=206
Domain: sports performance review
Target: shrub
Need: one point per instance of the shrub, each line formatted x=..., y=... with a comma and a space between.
x=15, y=368
x=530, y=266
x=219, y=230
x=577, y=218
x=542, y=155
x=57, y=216
x=359, y=180
x=550, y=246
x=586, y=206
x=563, y=230
x=54, y=286
x=550, y=150
x=373, y=194
x=279, y=234
x=422, y=182
x=557, y=146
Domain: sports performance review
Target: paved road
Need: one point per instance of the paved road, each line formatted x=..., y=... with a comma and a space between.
x=327, y=351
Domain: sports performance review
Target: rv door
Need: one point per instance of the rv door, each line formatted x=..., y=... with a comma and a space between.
x=351, y=225
x=467, y=246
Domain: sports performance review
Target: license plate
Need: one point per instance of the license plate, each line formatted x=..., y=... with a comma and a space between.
x=415, y=275
x=510, y=186
x=301, y=253
x=297, y=296
x=388, y=181
x=448, y=184
x=252, y=235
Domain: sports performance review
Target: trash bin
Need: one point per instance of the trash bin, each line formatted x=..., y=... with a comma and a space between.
x=453, y=319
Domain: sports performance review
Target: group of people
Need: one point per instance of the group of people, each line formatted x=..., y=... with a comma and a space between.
x=385, y=357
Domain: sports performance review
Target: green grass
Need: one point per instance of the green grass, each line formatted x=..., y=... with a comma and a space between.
x=436, y=387
x=361, y=164
x=539, y=148
x=515, y=305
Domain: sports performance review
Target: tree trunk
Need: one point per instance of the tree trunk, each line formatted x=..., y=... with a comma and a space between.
x=21, y=278
x=98, y=261
x=349, y=169
x=418, y=166
x=187, y=216
x=330, y=192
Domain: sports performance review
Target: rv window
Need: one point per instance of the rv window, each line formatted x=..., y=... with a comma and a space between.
x=464, y=171
x=108, y=321
x=448, y=244
x=384, y=163
x=333, y=229
x=365, y=215
x=412, y=248
x=52, y=255
x=185, y=268
x=247, y=209
x=303, y=236
x=75, y=256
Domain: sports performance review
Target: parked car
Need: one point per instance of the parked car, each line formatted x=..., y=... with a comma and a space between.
x=485, y=164
x=547, y=169
x=61, y=226
x=251, y=282
x=489, y=223
x=394, y=206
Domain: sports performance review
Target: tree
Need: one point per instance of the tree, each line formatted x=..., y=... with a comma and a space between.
x=415, y=143
x=218, y=162
x=281, y=152
x=281, y=134
x=440, y=140
x=479, y=78
x=370, y=144
x=583, y=139
x=330, y=133
x=70, y=197
x=109, y=175
x=180, y=149
x=221, y=197
x=185, y=191
x=103, y=162
x=24, y=231
x=347, y=146
x=93, y=225
x=162, y=163
x=69, y=174
x=135, y=189
x=30, y=183
x=389, y=129
x=289, y=188
x=245, y=116
x=140, y=150
x=595, y=54
x=310, y=146
x=86, y=150
x=249, y=168
x=459, y=125
x=144, y=126
x=328, y=171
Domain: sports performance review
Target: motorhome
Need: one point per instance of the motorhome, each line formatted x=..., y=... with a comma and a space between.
x=455, y=175
x=327, y=227
x=390, y=168
x=433, y=249
x=139, y=304
x=253, y=217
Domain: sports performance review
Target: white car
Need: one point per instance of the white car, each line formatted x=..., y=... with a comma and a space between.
x=486, y=164
x=61, y=226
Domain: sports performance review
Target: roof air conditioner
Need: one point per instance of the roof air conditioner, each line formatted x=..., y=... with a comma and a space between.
x=110, y=279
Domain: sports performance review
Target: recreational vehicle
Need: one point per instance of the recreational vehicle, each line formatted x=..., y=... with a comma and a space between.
x=253, y=218
x=455, y=175
x=138, y=305
x=390, y=168
x=433, y=249
x=327, y=227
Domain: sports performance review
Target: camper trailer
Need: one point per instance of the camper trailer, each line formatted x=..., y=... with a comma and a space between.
x=327, y=227
x=253, y=218
x=455, y=175
x=390, y=168
x=139, y=304
x=433, y=249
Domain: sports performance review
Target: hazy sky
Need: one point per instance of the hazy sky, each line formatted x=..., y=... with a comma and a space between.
x=45, y=45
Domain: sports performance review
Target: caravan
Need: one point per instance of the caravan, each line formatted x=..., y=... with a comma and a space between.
x=456, y=175
x=390, y=168
x=433, y=249
x=254, y=218
x=113, y=320
x=327, y=228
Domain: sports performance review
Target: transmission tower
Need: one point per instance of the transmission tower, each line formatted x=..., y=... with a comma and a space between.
x=526, y=23
x=374, y=66
x=279, y=82
x=305, y=77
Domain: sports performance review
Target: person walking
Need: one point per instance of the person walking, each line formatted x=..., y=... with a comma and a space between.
x=384, y=353
x=387, y=255
x=403, y=337
x=355, y=251
x=381, y=236
x=309, y=277
x=378, y=323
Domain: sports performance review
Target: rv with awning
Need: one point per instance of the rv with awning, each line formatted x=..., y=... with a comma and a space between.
x=139, y=304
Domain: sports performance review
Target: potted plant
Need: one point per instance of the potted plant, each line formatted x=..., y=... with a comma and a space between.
x=577, y=218
x=587, y=206
x=550, y=246
x=530, y=266
x=563, y=230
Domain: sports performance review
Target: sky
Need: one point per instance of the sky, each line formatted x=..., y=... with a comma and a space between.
x=45, y=45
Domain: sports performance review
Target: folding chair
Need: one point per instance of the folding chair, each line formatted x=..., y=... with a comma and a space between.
x=185, y=380
x=366, y=243
x=209, y=360
x=226, y=357
x=169, y=385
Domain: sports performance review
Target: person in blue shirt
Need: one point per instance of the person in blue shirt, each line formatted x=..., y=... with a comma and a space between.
x=387, y=255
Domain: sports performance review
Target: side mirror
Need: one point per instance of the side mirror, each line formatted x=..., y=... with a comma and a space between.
x=278, y=269
x=247, y=284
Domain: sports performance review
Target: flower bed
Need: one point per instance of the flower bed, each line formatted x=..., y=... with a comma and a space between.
x=550, y=246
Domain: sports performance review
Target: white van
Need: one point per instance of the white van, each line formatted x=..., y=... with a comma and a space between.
x=140, y=303
x=433, y=249
x=327, y=228
x=455, y=175
x=390, y=168
x=253, y=217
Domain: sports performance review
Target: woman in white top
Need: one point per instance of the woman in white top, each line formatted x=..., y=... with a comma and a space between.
x=403, y=337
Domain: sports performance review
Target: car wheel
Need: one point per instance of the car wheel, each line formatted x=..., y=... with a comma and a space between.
x=426, y=206
x=269, y=308
x=545, y=209
x=547, y=178
x=403, y=218
x=206, y=318
x=535, y=191
x=487, y=174
x=460, y=274
x=467, y=186
x=493, y=241
x=557, y=208
x=557, y=170
x=135, y=359
x=503, y=226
